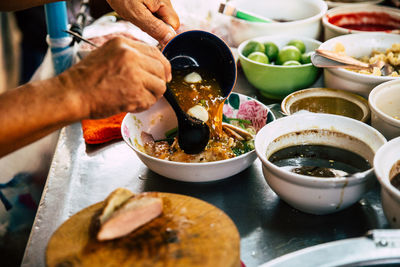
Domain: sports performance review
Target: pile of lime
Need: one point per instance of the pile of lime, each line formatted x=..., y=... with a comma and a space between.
x=292, y=54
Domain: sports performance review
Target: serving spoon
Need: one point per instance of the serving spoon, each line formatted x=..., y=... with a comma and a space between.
x=193, y=134
x=191, y=50
x=330, y=59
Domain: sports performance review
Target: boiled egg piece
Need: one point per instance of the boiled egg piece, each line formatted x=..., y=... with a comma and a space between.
x=193, y=77
x=199, y=112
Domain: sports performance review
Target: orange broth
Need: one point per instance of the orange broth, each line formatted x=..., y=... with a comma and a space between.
x=207, y=93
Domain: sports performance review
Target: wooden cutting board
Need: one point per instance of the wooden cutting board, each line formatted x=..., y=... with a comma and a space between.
x=190, y=232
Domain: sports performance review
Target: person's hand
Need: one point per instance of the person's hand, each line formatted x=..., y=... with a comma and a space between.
x=122, y=75
x=152, y=16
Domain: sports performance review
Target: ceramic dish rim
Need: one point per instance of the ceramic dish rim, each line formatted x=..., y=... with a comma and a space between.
x=352, y=74
x=345, y=9
x=372, y=102
x=304, y=179
x=323, y=8
x=385, y=182
x=333, y=4
x=177, y=163
x=335, y=93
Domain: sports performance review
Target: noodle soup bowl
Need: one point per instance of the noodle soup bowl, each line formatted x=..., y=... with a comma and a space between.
x=160, y=118
x=317, y=195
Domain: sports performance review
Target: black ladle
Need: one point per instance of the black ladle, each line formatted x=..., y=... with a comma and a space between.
x=193, y=134
x=189, y=51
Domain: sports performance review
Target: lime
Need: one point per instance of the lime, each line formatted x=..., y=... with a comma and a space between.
x=259, y=57
x=292, y=63
x=271, y=50
x=299, y=44
x=252, y=46
x=306, y=57
x=288, y=53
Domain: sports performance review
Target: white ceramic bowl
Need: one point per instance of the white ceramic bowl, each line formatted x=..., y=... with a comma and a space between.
x=332, y=4
x=311, y=194
x=303, y=16
x=161, y=118
x=384, y=101
x=333, y=94
x=331, y=30
x=358, y=45
x=386, y=158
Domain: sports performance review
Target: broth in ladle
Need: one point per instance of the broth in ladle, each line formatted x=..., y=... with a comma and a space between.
x=206, y=93
x=198, y=92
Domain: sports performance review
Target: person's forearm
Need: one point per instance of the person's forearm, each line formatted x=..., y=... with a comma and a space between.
x=15, y=5
x=34, y=110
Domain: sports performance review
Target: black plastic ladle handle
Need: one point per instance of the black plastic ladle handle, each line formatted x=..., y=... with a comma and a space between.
x=169, y=96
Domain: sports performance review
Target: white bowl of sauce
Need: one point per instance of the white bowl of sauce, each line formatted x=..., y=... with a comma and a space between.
x=312, y=161
x=387, y=169
x=360, y=18
x=326, y=100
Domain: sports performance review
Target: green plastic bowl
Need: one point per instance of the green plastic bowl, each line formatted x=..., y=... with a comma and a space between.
x=276, y=81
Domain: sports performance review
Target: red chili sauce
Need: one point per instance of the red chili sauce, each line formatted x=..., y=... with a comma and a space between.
x=366, y=21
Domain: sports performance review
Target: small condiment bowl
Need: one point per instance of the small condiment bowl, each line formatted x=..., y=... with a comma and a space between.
x=358, y=45
x=326, y=100
x=317, y=195
x=384, y=101
x=160, y=118
x=338, y=20
x=387, y=165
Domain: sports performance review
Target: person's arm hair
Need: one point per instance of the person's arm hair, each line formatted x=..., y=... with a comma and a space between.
x=34, y=110
x=15, y=5
x=120, y=76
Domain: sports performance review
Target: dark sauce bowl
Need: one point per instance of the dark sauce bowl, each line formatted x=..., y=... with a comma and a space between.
x=387, y=168
x=317, y=194
x=201, y=49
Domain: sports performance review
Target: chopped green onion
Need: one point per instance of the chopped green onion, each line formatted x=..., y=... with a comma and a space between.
x=171, y=133
x=239, y=120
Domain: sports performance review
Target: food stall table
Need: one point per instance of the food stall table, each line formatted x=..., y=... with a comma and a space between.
x=82, y=175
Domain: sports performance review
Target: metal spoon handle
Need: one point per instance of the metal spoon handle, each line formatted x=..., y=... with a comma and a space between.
x=81, y=38
x=323, y=62
x=342, y=58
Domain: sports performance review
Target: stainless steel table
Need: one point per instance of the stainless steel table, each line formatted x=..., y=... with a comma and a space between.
x=82, y=175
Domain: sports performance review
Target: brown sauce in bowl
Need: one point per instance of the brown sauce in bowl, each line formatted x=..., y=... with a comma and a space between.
x=395, y=181
x=319, y=161
x=331, y=105
x=395, y=175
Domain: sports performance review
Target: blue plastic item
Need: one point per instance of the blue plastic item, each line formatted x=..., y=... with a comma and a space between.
x=59, y=41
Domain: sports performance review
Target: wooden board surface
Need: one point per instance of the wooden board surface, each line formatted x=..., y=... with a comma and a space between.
x=190, y=232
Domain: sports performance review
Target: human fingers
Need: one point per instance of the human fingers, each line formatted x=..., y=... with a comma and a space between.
x=165, y=12
x=154, y=54
x=148, y=22
x=154, y=85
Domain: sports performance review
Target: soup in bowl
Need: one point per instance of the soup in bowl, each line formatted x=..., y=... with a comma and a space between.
x=160, y=120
